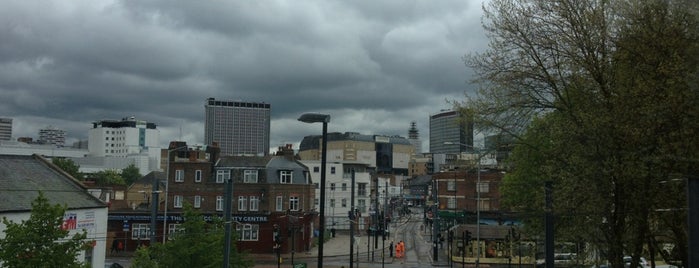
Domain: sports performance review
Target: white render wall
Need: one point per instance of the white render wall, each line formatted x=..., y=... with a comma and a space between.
x=93, y=221
x=338, y=214
x=125, y=141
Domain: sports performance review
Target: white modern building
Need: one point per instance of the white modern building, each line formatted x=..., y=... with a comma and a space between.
x=338, y=195
x=126, y=138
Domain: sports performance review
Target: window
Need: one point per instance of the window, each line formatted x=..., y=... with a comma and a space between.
x=139, y=231
x=344, y=186
x=197, y=201
x=332, y=170
x=451, y=202
x=178, y=201
x=280, y=203
x=173, y=228
x=242, y=203
x=250, y=176
x=361, y=205
x=285, y=176
x=248, y=232
x=219, y=203
x=316, y=169
x=317, y=186
x=294, y=203
x=485, y=204
x=483, y=187
x=451, y=186
x=332, y=187
x=222, y=175
x=344, y=202
x=118, y=195
x=254, y=203
x=362, y=189
x=197, y=176
x=179, y=175
x=332, y=203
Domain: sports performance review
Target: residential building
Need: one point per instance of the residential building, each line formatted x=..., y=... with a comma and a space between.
x=270, y=193
x=450, y=127
x=51, y=135
x=383, y=154
x=23, y=177
x=239, y=128
x=5, y=129
x=464, y=190
x=338, y=192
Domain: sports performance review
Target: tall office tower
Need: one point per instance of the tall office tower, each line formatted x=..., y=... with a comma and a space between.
x=414, y=137
x=51, y=135
x=124, y=137
x=5, y=129
x=449, y=126
x=239, y=128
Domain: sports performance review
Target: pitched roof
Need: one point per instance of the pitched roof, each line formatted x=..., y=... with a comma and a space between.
x=244, y=161
x=22, y=177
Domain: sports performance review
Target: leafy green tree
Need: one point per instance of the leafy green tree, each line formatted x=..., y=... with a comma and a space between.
x=40, y=241
x=601, y=95
x=68, y=166
x=142, y=259
x=130, y=174
x=109, y=177
x=199, y=244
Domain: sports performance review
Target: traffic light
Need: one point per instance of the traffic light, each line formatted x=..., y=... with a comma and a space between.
x=467, y=236
x=350, y=215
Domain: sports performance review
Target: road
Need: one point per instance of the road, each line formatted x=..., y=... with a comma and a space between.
x=418, y=249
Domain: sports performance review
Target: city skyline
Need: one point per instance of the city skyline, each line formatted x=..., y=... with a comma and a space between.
x=374, y=66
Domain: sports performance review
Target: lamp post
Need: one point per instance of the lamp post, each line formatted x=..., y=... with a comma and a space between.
x=154, y=210
x=325, y=119
x=478, y=200
x=167, y=183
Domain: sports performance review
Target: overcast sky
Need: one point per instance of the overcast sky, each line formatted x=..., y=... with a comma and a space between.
x=373, y=65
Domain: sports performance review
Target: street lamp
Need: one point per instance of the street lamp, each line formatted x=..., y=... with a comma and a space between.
x=325, y=119
x=167, y=183
x=478, y=200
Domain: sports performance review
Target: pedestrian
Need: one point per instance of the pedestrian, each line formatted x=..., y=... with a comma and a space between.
x=115, y=244
x=390, y=249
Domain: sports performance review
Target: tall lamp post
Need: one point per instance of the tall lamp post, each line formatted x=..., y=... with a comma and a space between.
x=325, y=119
x=478, y=200
x=167, y=183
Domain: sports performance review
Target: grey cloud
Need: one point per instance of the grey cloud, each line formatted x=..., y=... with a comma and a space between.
x=377, y=65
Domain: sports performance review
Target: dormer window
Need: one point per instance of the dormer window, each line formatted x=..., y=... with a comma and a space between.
x=285, y=176
x=250, y=176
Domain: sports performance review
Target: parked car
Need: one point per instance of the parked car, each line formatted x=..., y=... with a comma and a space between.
x=113, y=265
x=642, y=263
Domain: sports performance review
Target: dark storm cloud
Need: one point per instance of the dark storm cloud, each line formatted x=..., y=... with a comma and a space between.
x=373, y=65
